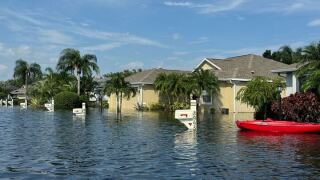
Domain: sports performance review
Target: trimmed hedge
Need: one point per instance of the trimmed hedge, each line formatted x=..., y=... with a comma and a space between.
x=66, y=100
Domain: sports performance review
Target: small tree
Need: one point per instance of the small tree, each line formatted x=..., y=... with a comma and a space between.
x=259, y=92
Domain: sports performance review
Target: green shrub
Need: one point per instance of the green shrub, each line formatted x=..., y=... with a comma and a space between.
x=105, y=104
x=212, y=110
x=66, y=100
x=157, y=107
x=179, y=105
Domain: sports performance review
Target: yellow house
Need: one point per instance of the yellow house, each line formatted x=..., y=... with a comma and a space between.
x=146, y=95
x=233, y=73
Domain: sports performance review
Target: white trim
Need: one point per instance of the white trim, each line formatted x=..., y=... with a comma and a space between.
x=207, y=60
x=234, y=79
x=284, y=70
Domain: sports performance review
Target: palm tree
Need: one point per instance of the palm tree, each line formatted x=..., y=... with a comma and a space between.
x=121, y=88
x=161, y=85
x=204, y=80
x=71, y=61
x=26, y=72
x=309, y=68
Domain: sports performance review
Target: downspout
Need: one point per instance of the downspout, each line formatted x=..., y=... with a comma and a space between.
x=234, y=95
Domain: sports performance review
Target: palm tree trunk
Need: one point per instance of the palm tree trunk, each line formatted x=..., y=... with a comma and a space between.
x=26, y=93
x=78, y=80
x=118, y=103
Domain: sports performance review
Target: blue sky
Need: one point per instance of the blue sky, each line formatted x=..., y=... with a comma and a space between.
x=174, y=34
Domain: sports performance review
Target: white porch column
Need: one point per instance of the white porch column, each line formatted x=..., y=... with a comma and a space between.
x=295, y=84
x=141, y=94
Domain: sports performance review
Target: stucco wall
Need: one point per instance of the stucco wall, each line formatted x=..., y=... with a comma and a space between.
x=128, y=104
x=149, y=97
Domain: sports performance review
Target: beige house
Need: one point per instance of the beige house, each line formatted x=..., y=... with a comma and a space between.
x=233, y=74
x=146, y=95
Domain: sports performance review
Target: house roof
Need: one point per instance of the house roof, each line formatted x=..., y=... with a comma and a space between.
x=291, y=68
x=149, y=76
x=19, y=91
x=244, y=67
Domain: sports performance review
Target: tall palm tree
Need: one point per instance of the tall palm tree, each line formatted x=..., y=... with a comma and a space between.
x=309, y=68
x=121, y=88
x=204, y=80
x=26, y=72
x=71, y=61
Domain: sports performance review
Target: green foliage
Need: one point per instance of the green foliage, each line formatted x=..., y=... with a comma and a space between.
x=285, y=54
x=105, y=104
x=157, y=107
x=66, y=100
x=309, y=70
x=52, y=83
x=71, y=61
x=179, y=105
x=204, y=80
x=177, y=87
x=120, y=87
x=23, y=71
x=259, y=92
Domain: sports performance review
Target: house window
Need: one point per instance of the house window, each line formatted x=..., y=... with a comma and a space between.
x=206, y=99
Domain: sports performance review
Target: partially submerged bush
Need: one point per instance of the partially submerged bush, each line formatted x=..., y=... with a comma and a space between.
x=157, y=107
x=304, y=107
x=66, y=100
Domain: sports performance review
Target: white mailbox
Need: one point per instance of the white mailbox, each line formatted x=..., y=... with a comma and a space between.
x=188, y=117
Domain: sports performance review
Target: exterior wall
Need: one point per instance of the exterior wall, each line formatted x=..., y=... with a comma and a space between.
x=149, y=96
x=127, y=104
x=226, y=98
x=206, y=66
x=292, y=84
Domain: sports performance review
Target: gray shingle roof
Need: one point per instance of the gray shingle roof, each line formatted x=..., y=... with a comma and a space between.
x=149, y=76
x=19, y=91
x=246, y=67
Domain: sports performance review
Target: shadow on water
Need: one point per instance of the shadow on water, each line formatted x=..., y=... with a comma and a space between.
x=144, y=145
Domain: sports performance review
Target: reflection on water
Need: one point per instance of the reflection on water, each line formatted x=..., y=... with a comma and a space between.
x=146, y=145
x=186, y=149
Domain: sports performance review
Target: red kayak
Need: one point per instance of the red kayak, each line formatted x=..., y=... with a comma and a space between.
x=278, y=126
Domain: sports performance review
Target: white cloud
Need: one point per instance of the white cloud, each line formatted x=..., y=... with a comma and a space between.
x=176, y=36
x=285, y=6
x=200, y=40
x=314, y=23
x=3, y=67
x=102, y=47
x=125, y=38
x=210, y=8
x=183, y=4
x=134, y=65
x=54, y=37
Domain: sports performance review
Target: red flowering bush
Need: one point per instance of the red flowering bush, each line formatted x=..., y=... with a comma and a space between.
x=303, y=107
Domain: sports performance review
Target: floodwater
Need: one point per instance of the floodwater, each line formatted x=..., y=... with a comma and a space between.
x=35, y=144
